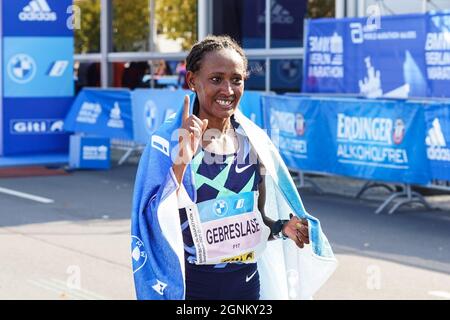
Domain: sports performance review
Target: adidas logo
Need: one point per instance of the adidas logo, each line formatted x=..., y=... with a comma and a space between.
x=435, y=137
x=37, y=10
x=279, y=15
x=435, y=141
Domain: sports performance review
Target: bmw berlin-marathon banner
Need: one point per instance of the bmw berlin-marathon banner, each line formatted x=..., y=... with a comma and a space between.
x=398, y=56
x=37, y=75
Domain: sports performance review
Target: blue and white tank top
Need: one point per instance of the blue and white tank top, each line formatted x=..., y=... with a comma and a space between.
x=226, y=231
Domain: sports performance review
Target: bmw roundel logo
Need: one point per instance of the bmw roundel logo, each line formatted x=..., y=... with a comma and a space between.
x=220, y=208
x=138, y=254
x=289, y=70
x=21, y=68
x=150, y=113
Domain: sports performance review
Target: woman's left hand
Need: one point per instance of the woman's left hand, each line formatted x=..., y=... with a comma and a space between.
x=297, y=230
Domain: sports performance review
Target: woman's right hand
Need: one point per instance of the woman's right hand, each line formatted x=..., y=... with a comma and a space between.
x=190, y=137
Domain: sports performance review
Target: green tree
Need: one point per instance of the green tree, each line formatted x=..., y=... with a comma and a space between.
x=87, y=37
x=130, y=25
x=177, y=19
x=321, y=9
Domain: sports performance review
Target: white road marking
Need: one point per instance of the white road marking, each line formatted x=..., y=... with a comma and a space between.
x=26, y=195
x=60, y=287
x=440, y=294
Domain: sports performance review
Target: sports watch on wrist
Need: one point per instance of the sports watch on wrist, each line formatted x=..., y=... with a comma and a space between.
x=277, y=229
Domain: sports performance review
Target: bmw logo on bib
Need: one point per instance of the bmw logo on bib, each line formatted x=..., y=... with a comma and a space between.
x=220, y=208
x=21, y=68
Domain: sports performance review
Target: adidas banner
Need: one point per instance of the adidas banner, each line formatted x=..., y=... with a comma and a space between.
x=437, y=116
x=399, y=56
x=44, y=18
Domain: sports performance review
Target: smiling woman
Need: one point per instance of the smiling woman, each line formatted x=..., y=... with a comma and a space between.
x=223, y=227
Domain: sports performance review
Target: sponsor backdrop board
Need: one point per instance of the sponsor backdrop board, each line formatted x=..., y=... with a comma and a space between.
x=35, y=125
x=37, y=75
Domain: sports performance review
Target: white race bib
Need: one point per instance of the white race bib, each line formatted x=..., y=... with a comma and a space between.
x=228, y=229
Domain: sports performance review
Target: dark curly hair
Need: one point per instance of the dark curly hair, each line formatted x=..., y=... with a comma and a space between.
x=209, y=44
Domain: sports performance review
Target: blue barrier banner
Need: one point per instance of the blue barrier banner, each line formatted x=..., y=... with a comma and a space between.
x=251, y=106
x=35, y=125
x=151, y=107
x=294, y=125
x=394, y=56
x=29, y=70
x=375, y=140
x=103, y=113
x=50, y=18
x=89, y=152
x=437, y=116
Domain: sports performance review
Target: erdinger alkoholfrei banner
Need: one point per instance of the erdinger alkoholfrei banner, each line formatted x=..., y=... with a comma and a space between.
x=368, y=139
x=394, y=56
x=375, y=140
x=437, y=117
x=37, y=75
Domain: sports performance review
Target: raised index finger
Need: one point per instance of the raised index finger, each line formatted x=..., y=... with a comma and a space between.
x=186, y=108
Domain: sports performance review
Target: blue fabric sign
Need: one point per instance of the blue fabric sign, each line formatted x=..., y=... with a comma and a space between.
x=151, y=107
x=104, y=113
x=398, y=56
x=376, y=140
x=294, y=125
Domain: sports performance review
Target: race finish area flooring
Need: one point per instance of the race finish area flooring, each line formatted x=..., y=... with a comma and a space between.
x=34, y=160
x=33, y=171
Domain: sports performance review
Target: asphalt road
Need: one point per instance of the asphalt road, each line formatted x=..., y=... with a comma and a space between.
x=78, y=246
